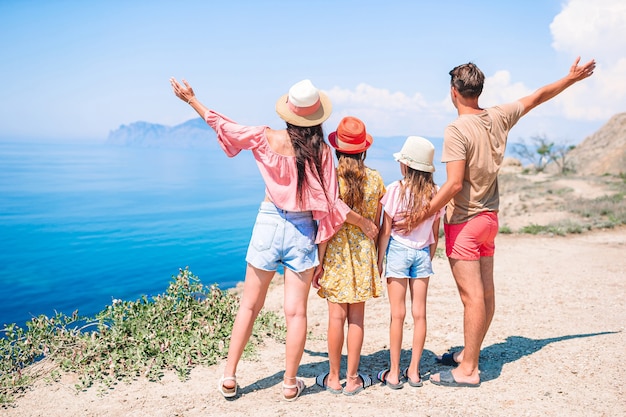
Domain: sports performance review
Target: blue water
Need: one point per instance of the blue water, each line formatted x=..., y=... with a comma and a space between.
x=82, y=224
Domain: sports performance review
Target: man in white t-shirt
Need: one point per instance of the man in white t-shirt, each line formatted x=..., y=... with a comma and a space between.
x=473, y=150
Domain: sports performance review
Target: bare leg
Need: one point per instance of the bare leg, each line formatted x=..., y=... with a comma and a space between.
x=252, y=299
x=396, y=289
x=467, y=275
x=486, y=273
x=489, y=293
x=356, y=313
x=297, y=287
x=337, y=314
x=419, y=289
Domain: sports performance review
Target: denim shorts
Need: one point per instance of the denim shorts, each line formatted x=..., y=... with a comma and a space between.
x=407, y=262
x=283, y=237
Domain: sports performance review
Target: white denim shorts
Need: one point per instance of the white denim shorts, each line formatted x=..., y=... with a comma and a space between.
x=406, y=262
x=283, y=237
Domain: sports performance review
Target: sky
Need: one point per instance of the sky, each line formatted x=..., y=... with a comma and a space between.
x=80, y=69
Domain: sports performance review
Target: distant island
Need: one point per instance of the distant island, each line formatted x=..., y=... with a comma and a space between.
x=601, y=153
x=194, y=133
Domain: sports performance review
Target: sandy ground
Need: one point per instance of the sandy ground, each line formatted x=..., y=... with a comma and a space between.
x=555, y=348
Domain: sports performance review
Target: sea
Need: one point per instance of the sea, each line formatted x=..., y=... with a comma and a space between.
x=84, y=223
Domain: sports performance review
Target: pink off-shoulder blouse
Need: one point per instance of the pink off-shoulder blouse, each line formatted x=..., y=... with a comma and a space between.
x=279, y=173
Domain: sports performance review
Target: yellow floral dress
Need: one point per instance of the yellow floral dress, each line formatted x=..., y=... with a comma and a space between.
x=350, y=263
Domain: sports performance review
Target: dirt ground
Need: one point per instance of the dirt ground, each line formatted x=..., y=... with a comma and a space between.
x=555, y=347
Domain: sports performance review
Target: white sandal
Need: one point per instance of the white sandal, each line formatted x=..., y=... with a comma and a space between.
x=299, y=385
x=225, y=391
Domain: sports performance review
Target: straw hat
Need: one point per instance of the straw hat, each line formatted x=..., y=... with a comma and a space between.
x=304, y=105
x=417, y=153
x=350, y=136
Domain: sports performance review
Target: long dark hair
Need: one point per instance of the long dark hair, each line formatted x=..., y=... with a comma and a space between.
x=308, y=145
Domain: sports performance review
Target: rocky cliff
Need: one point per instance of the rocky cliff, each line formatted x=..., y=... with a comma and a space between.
x=604, y=152
x=194, y=133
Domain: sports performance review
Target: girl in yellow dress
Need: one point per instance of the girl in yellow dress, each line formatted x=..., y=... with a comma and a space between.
x=348, y=274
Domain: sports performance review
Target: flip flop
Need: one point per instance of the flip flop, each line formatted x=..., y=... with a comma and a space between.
x=446, y=379
x=299, y=385
x=225, y=391
x=412, y=383
x=447, y=359
x=321, y=381
x=382, y=377
x=367, y=382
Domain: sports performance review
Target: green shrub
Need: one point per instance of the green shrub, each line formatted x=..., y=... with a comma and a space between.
x=560, y=228
x=505, y=230
x=605, y=211
x=187, y=326
x=533, y=229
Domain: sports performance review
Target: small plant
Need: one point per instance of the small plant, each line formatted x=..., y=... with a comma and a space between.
x=533, y=229
x=560, y=228
x=187, y=326
x=505, y=230
x=605, y=211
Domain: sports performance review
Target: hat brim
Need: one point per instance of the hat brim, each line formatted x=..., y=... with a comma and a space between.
x=332, y=139
x=413, y=164
x=317, y=118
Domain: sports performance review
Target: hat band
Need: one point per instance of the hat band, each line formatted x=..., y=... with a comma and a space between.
x=414, y=161
x=304, y=111
x=347, y=146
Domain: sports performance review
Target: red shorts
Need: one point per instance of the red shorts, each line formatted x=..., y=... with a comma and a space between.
x=473, y=239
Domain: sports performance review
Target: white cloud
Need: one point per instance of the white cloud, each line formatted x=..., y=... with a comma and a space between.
x=594, y=29
x=387, y=113
x=499, y=89
x=590, y=29
x=378, y=98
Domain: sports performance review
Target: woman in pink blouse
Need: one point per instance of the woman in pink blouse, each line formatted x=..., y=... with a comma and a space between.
x=301, y=208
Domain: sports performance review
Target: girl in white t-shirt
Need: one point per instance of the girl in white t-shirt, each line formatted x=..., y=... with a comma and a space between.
x=405, y=250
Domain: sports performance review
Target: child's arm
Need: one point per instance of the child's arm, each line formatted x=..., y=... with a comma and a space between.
x=319, y=270
x=383, y=241
x=433, y=246
x=366, y=225
x=379, y=210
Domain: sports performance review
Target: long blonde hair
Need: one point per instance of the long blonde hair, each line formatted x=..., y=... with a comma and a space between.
x=351, y=169
x=416, y=191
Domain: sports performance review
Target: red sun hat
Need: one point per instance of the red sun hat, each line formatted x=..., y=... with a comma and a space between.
x=350, y=136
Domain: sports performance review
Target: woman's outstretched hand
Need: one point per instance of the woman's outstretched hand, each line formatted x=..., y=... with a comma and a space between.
x=185, y=93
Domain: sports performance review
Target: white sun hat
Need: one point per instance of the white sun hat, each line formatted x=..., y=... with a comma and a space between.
x=304, y=105
x=417, y=153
